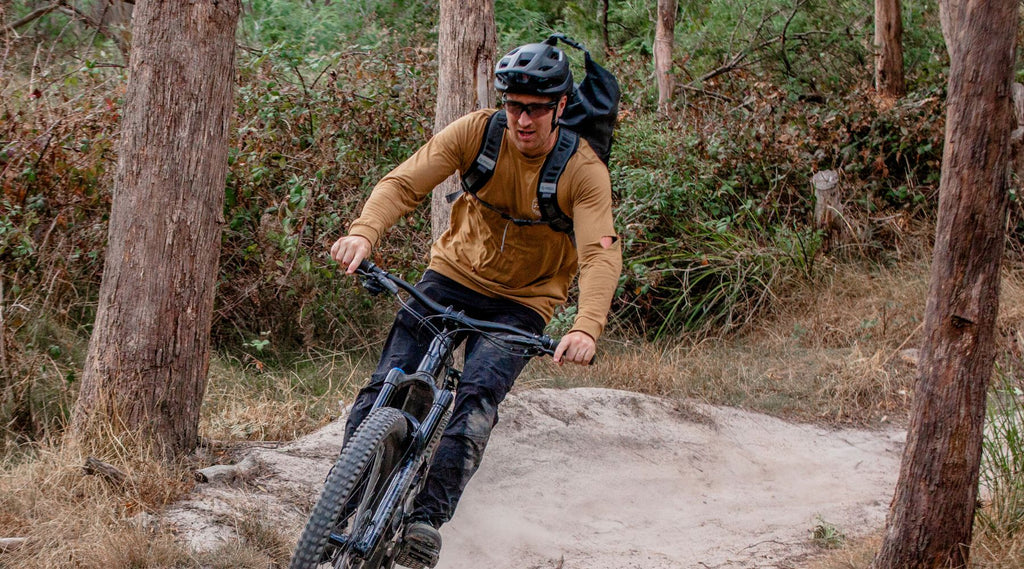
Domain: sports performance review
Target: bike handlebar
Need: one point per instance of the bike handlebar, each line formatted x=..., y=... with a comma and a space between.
x=515, y=336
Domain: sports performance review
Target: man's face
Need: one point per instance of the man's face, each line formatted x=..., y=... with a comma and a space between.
x=530, y=120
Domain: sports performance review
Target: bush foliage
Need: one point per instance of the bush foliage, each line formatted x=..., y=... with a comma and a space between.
x=713, y=202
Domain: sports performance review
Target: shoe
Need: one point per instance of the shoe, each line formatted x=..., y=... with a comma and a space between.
x=422, y=546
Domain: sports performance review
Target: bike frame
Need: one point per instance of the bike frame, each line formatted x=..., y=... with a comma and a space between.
x=436, y=376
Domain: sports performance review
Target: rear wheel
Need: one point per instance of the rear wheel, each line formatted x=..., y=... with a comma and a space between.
x=352, y=492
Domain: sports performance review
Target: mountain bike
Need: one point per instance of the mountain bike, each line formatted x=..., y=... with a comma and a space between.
x=358, y=521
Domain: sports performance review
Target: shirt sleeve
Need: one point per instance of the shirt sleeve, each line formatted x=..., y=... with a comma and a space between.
x=597, y=245
x=405, y=187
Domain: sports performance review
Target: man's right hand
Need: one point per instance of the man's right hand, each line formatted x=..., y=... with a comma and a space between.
x=350, y=250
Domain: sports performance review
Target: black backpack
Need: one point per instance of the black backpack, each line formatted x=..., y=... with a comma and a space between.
x=591, y=113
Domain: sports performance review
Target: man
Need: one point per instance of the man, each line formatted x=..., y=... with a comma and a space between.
x=491, y=267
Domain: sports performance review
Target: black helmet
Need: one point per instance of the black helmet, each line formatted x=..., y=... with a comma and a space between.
x=534, y=69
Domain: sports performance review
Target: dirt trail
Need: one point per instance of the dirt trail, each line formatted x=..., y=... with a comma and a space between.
x=601, y=479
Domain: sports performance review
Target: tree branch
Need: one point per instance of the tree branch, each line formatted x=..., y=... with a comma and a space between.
x=3, y=338
x=706, y=93
x=782, y=39
x=35, y=15
x=11, y=543
x=739, y=59
x=70, y=9
x=227, y=472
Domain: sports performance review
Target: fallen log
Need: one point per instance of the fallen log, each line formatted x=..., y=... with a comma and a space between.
x=110, y=473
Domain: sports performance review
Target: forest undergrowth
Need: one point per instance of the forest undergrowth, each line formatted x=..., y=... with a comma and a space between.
x=730, y=293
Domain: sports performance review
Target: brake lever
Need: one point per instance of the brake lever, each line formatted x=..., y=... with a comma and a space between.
x=371, y=284
x=374, y=279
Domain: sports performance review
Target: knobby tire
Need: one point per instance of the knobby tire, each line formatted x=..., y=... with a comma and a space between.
x=383, y=433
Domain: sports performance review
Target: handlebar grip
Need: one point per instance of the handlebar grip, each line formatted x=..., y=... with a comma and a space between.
x=549, y=343
x=366, y=266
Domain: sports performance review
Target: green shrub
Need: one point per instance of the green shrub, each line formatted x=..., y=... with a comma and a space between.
x=296, y=29
x=315, y=135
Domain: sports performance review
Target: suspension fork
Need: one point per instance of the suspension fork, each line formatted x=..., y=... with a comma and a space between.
x=434, y=371
x=436, y=359
x=400, y=485
x=433, y=365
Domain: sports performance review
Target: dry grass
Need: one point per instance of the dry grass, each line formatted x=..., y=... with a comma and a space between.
x=260, y=545
x=247, y=400
x=989, y=552
x=74, y=520
x=832, y=351
x=993, y=548
x=856, y=553
x=997, y=552
x=841, y=350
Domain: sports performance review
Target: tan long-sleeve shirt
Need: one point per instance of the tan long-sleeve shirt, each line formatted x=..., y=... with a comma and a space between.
x=532, y=265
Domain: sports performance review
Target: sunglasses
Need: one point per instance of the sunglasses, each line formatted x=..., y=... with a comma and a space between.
x=532, y=110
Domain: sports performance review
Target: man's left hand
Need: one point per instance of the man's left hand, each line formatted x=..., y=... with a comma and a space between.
x=577, y=348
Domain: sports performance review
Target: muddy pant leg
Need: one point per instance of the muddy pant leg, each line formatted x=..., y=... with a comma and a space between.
x=487, y=378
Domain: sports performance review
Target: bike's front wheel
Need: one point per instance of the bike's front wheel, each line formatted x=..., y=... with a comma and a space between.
x=352, y=491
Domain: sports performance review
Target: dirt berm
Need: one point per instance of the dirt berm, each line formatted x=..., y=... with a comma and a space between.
x=602, y=479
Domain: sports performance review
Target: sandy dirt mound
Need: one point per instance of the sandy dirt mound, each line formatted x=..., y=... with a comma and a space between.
x=601, y=479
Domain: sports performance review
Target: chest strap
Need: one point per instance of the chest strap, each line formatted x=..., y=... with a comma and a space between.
x=482, y=169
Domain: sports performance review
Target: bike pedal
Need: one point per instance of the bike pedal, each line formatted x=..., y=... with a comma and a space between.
x=414, y=558
x=420, y=550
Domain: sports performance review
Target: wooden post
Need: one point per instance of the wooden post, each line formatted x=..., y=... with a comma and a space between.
x=828, y=207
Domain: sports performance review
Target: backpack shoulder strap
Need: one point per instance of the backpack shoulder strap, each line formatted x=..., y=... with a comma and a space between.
x=547, y=187
x=482, y=169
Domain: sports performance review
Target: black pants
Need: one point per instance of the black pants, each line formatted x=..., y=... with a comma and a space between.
x=487, y=377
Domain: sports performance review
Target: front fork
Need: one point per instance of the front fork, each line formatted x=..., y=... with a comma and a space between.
x=425, y=432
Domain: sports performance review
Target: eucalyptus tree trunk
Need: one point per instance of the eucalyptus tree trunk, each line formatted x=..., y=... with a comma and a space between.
x=148, y=357
x=465, y=52
x=930, y=519
x=889, y=81
x=664, y=44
